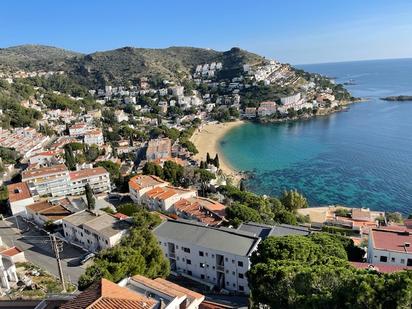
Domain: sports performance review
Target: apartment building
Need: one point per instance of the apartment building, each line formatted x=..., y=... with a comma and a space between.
x=57, y=180
x=219, y=257
x=53, y=180
x=140, y=184
x=390, y=247
x=98, y=179
x=94, y=231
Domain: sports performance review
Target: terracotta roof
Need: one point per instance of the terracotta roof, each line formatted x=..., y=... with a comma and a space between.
x=392, y=240
x=37, y=207
x=144, y=181
x=44, y=171
x=78, y=126
x=204, y=210
x=178, y=288
x=87, y=173
x=11, y=251
x=380, y=267
x=18, y=191
x=94, y=132
x=105, y=294
x=50, y=211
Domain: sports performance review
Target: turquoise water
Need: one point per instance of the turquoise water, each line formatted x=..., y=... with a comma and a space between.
x=359, y=157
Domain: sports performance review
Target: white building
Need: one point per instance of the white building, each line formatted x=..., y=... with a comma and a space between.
x=58, y=181
x=391, y=247
x=214, y=256
x=78, y=129
x=19, y=197
x=171, y=295
x=98, y=179
x=94, y=231
x=8, y=273
x=140, y=184
x=94, y=137
x=163, y=198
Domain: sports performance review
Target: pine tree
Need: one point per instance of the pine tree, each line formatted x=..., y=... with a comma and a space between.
x=216, y=161
x=91, y=203
x=69, y=158
x=208, y=158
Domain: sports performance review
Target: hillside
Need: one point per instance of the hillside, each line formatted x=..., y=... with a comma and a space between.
x=35, y=57
x=124, y=64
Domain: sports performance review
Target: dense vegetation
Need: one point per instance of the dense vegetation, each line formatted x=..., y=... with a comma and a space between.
x=314, y=272
x=138, y=253
x=14, y=114
x=248, y=206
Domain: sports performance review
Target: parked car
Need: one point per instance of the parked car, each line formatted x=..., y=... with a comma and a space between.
x=86, y=258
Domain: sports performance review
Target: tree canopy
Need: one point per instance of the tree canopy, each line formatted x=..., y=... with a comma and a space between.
x=138, y=253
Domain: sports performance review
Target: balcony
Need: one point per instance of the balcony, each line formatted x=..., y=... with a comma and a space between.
x=220, y=268
x=172, y=255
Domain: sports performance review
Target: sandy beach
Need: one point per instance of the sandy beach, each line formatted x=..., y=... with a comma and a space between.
x=206, y=139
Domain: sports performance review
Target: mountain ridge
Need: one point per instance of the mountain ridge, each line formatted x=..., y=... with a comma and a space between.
x=118, y=66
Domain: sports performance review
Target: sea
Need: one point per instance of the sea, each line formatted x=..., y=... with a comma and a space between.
x=359, y=157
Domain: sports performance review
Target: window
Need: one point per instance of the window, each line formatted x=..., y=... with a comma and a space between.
x=393, y=259
x=233, y=261
x=188, y=261
x=241, y=288
x=201, y=253
x=202, y=276
x=409, y=263
x=384, y=258
x=107, y=242
x=241, y=276
x=402, y=261
x=240, y=263
x=189, y=272
x=233, y=273
x=213, y=255
x=202, y=265
x=207, y=254
x=226, y=259
x=187, y=250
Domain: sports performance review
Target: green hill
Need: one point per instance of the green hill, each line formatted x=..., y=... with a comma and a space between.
x=35, y=57
x=124, y=64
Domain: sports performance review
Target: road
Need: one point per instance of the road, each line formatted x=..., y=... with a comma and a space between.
x=37, y=248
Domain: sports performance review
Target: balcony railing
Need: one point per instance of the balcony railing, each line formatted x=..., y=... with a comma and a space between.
x=220, y=267
x=172, y=255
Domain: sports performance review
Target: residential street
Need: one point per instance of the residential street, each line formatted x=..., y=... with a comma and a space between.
x=37, y=248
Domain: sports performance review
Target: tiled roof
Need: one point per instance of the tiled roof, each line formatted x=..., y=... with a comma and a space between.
x=392, y=240
x=144, y=181
x=89, y=172
x=105, y=294
x=50, y=211
x=380, y=267
x=44, y=171
x=11, y=251
x=18, y=191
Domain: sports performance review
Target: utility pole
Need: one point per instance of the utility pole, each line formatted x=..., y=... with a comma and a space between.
x=57, y=246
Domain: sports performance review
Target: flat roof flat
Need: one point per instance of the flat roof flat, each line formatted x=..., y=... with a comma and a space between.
x=224, y=240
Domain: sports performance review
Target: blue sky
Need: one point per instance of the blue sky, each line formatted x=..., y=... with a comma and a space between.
x=296, y=31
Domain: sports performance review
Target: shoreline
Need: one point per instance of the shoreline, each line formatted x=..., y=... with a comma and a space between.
x=207, y=138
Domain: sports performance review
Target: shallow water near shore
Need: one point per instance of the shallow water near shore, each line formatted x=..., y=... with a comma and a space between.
x=358, y=157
